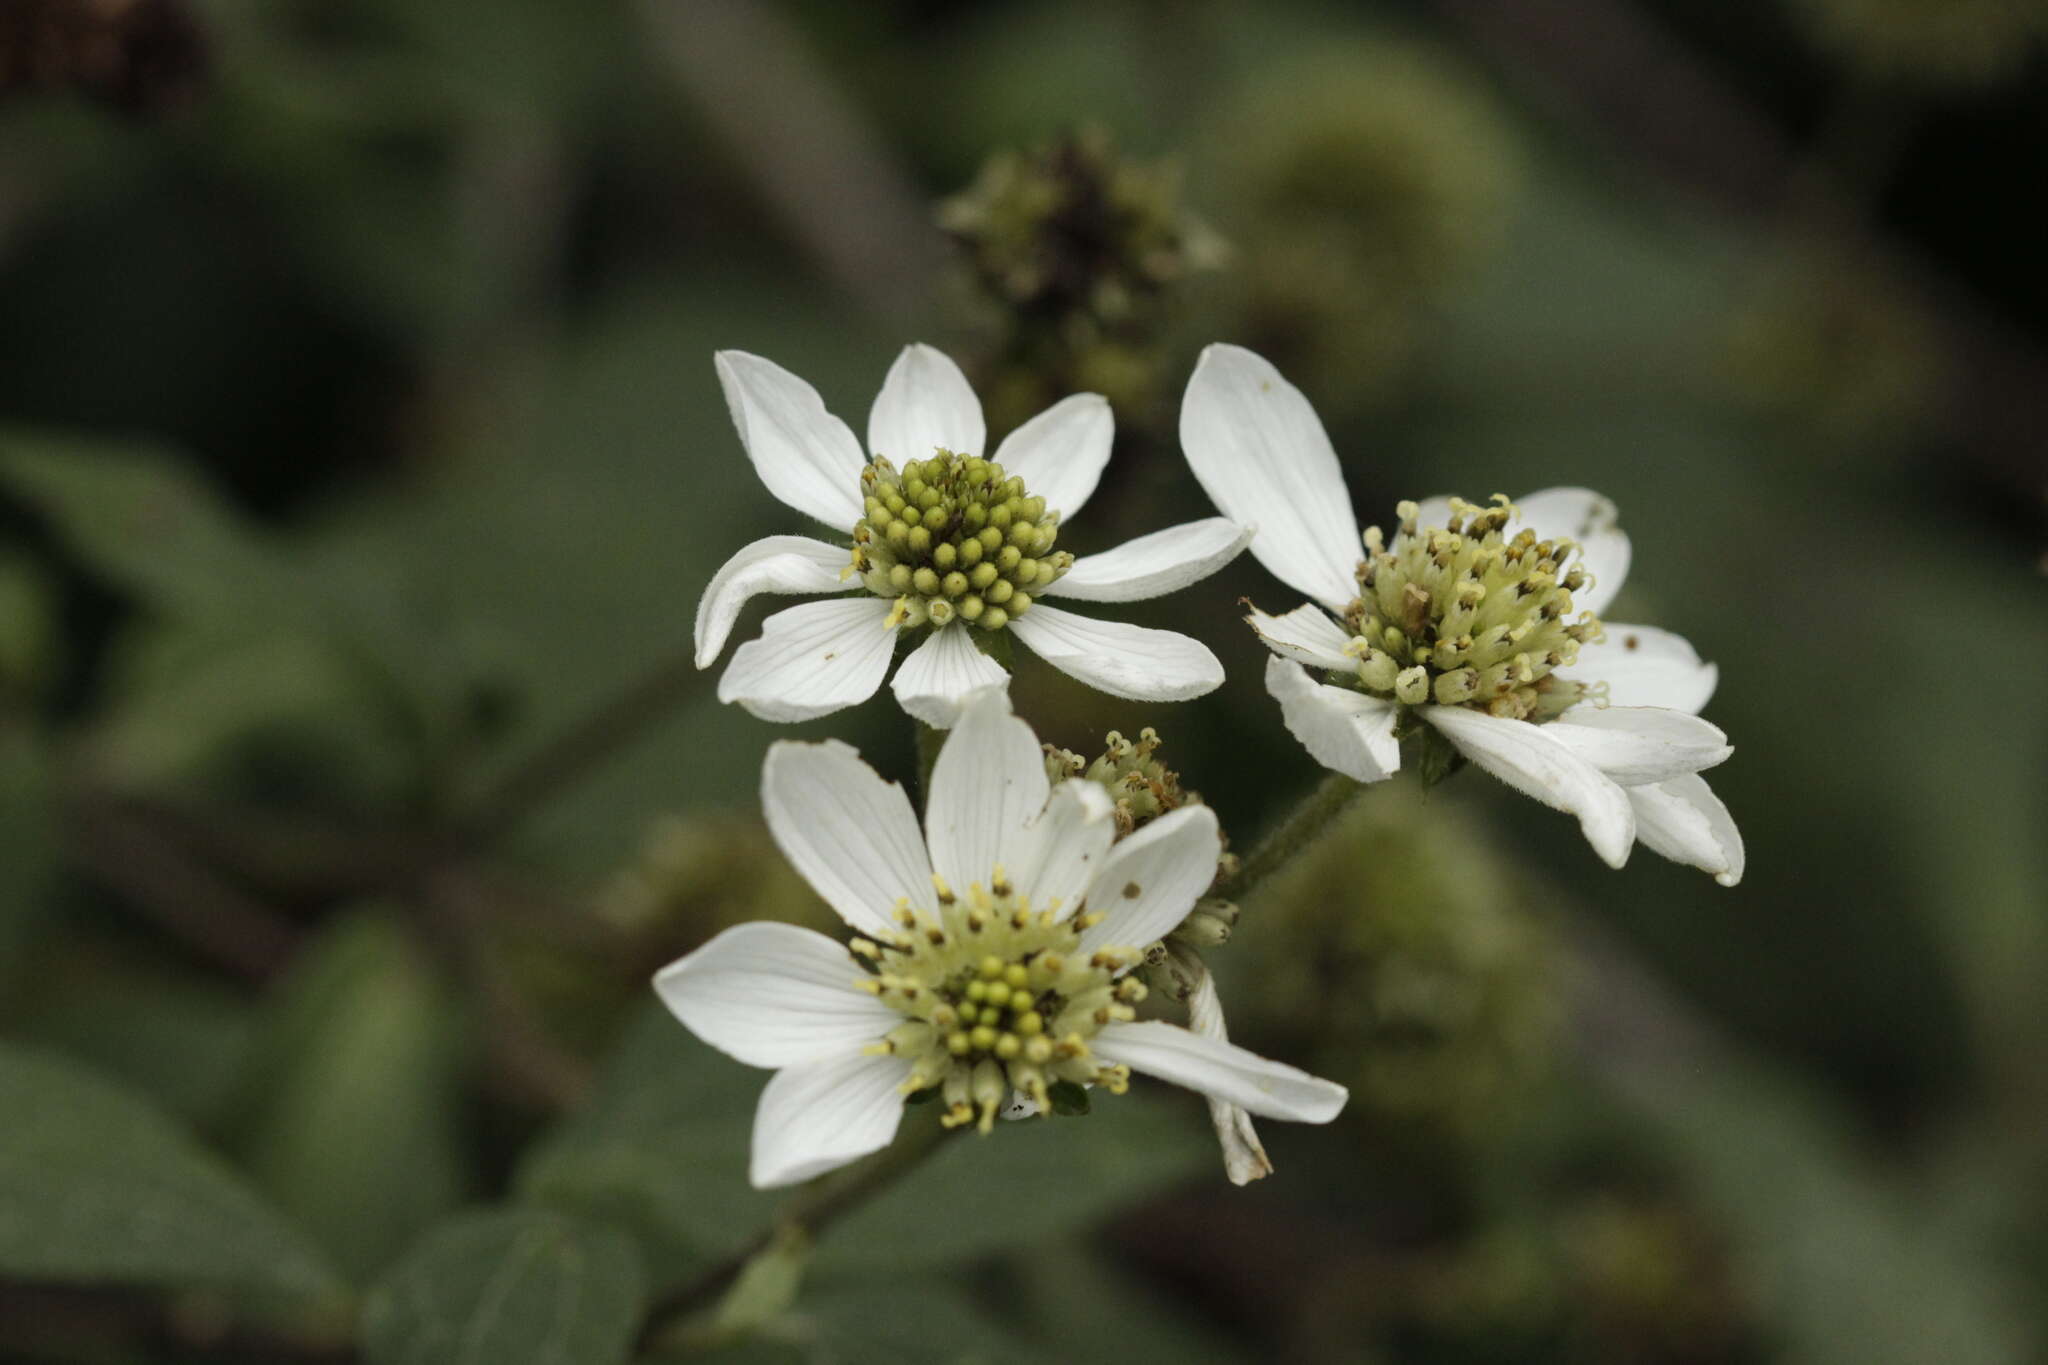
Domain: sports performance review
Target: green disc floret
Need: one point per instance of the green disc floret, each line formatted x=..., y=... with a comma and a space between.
x=1466, y=614
x=998, y=997
x=954, y=536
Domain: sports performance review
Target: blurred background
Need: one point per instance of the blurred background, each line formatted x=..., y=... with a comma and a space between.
x=361, y=462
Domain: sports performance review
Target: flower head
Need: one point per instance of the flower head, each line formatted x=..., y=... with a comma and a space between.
x=941, y=544
x=1475, y=628
x=992, y=955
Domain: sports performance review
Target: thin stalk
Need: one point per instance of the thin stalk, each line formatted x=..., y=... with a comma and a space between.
x=807, y=1215
x=1303, y=825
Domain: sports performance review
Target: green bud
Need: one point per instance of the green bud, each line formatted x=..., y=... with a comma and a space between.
x=925, y=581
x=954, y=583
x=944, y=555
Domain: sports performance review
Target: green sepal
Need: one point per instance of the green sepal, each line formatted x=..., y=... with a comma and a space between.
x=1439, y=757
x=1068, y=1099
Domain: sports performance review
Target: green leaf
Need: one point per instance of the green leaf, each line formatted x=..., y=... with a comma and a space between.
x=508, y=1287
x=663, y=1147
x=148, y=525
x=1027, y=1182
x=97, y=1187
x=354, y=1102
x=27, y=843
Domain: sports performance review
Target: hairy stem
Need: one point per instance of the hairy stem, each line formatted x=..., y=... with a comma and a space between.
x=1301, y=827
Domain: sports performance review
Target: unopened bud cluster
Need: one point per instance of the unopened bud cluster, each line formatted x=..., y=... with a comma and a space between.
x=998, y=996
x=1142, y=787
x=1467, y=614
x=954, y=536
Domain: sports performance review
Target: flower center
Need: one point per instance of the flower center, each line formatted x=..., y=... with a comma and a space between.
x=954, y=536
x=1466, y=614
x=997, y=997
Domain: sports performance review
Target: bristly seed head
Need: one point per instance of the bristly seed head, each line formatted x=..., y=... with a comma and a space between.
x=954, y=537
x=997, y=996
x=1467, y=614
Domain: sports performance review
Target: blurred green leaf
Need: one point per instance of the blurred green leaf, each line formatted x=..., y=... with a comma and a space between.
x=96, y=1186
x=508, y=1287
x=146, y=523
x=663, y=1148
x=1839, y=1257
x=27, y=848
x=355, y=1098
x=180, y=1040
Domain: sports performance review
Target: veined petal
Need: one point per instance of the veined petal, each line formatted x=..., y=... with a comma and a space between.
x=1151, y=880
x=1306, y=635
x=1645, y=666
x=776, y=564
x=926, y=404
x=1526, y=758
x=989, y=782
x=1059, y=853
x=1590, y=519
x=1244, y=1156
x=812, y=659
x=1060, y=453
x=1221, y=1071
x=940, y=673
x=851, y=835
x=1345, y=731
x=1683, y=820
x=1153, y=565
x=1638, y=745
x=774, y=995
x=814, y=1118
x=805, y=455
x=1118, y=658
x=1260, y=452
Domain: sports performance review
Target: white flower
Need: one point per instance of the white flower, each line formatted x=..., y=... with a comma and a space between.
x=1487, y=634
x=993, y=955
x=939, y=538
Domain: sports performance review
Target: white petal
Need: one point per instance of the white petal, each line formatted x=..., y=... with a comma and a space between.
x=812, y=660
x=1152, y=879
x=1526, y=758
x=1645, y=666
x=1153, y=565
x=1306, y=635
x=1345, y=731
x=940, y=673
x=774, y=995
x=805, y=455
x=1244, y=1156
x=776, y=564
x=1684, y=821
x=989, y=782
x=1261, y=454
x=814, y=1118
x=925, y=404
x=1588, y=518
x=1221, y=1070
x=851, y=835
x=1060, y=453
x=1639, y=745
x=1120, y=659
x=1063, y=849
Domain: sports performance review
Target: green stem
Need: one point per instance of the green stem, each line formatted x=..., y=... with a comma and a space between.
x=803, y=1218
x=1303, y=825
